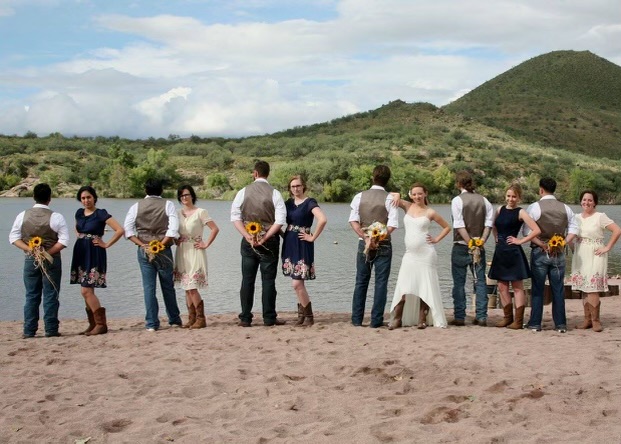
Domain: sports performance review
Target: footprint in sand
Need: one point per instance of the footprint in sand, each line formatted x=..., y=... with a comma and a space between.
x=116, y=426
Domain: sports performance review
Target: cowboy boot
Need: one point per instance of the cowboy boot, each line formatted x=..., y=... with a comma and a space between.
x=191, y=316
x=101, y=326
x=91, y=321
x=508, y=319
x=518, y=322
x=300, y=321
x=308, y=315
x=422, y=315
x=396, y=322
x=200, y=316
x=597, y=326
x=587, y=317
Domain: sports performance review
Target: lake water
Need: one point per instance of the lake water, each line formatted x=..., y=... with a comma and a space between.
x=334, y=260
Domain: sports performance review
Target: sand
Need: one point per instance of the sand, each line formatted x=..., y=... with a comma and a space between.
x=328, y=383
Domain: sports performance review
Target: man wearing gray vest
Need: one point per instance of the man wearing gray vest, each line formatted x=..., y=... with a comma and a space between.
x=154, y=218
x=473, y=217
x=553, y=217
x=259, y=203
x=367, y=207
x=40, y=221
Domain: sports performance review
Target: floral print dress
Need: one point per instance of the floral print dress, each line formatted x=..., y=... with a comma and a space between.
x=191, y=263
x=89, y=262
x=588, y=271
x=298, y=256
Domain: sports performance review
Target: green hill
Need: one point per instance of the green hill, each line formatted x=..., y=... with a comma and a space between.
x=566, y=99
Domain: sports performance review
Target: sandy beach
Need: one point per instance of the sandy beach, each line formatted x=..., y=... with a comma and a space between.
x=328, y=383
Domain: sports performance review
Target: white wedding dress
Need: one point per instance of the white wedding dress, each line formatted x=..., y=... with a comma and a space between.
x=418, y=276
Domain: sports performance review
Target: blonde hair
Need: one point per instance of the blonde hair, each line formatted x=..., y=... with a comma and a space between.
x=517, y=189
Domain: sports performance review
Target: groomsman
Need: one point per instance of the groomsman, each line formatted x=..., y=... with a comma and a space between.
x=154, y=218
x=373, y=205
x=553, y=217
x=41, y=280
x=473, y=217
x=259, y=202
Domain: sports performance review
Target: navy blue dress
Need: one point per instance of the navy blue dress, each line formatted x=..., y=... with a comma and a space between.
x=509, y=262
x=298, y=256
x=88, y=264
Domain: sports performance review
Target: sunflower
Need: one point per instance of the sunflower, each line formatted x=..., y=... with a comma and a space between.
x=253, y=228
x=35, y=242
x=153, y=242
x=375, y=232
x=155, y=247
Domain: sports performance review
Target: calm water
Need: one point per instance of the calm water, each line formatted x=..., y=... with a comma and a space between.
x=331, y=291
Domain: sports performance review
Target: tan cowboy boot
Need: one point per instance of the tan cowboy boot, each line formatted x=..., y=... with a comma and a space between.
x=91, y=321
x=300, y=321
x=101, y=326
x=508, y=319
x=309, y=319
x=587, y=317
x=422, y=315
x=597, y=326
x=396, y=322
x=191, y=316
x=201, y=322
x=518, y=323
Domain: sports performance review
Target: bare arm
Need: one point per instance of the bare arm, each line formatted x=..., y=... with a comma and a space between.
x=118, y=233
x=616, y=233
x=446, y=228
x=214, y=230
x=531, y=224
x=322, y=220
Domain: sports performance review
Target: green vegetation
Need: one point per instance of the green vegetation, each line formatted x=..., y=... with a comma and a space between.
x=420, y=142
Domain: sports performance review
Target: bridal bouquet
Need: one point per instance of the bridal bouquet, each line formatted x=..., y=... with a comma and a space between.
x=40, y=256
x=556, y=245
x=374, y=234
x=474, y=248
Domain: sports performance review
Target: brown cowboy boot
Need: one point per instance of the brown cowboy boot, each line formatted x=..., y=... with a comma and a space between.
x=587, y=317
x=101, y=326
x=201, y=322
x=396, y=322
x=191, y=316
x=91, y=321
x=518, y=322
x=597, y=326
x=300, y=321
x=508, y=319
x=309, y=318
x=422, y=315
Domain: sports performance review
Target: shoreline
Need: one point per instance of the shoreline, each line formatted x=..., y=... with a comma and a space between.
x=331, y=382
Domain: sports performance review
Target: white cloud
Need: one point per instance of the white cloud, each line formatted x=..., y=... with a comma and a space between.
x=184, y=75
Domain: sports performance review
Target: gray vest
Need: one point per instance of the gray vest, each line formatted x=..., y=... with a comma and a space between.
x=473, y=211
x=258, y=205
x=151, y=219
x=37, y=223
x=373, y=208
x=553, y=219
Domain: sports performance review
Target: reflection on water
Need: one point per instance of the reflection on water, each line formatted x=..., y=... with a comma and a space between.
x=331, y=291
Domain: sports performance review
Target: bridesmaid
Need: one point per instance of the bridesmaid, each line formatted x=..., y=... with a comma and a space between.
x=298, y=253
x=89, y=261
x=509, y=264
x=589, y=265
x=191, y=258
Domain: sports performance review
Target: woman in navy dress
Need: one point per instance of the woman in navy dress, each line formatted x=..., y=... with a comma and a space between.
x=298, y=253
x=88, y=264
x=509, y=265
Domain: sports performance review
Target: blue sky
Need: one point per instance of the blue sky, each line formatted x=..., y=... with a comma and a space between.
x=147, y=68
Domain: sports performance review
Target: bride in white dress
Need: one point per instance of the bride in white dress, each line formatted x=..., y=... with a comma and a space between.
x=417, y=299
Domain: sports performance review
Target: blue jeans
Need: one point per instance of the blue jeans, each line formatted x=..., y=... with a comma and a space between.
x=38, y=284
x=461, y=262
x=382, y=263
x=265, y=258
x=162, y=267
x=553, y=268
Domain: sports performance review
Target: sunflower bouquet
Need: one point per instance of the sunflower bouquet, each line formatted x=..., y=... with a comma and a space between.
x=39, y=255
x=556, y=245
x=374, y=234
x=154, y=248
x=254, y=229
x=474, y=248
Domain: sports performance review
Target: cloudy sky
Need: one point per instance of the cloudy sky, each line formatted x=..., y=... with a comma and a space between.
x=141, y=68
